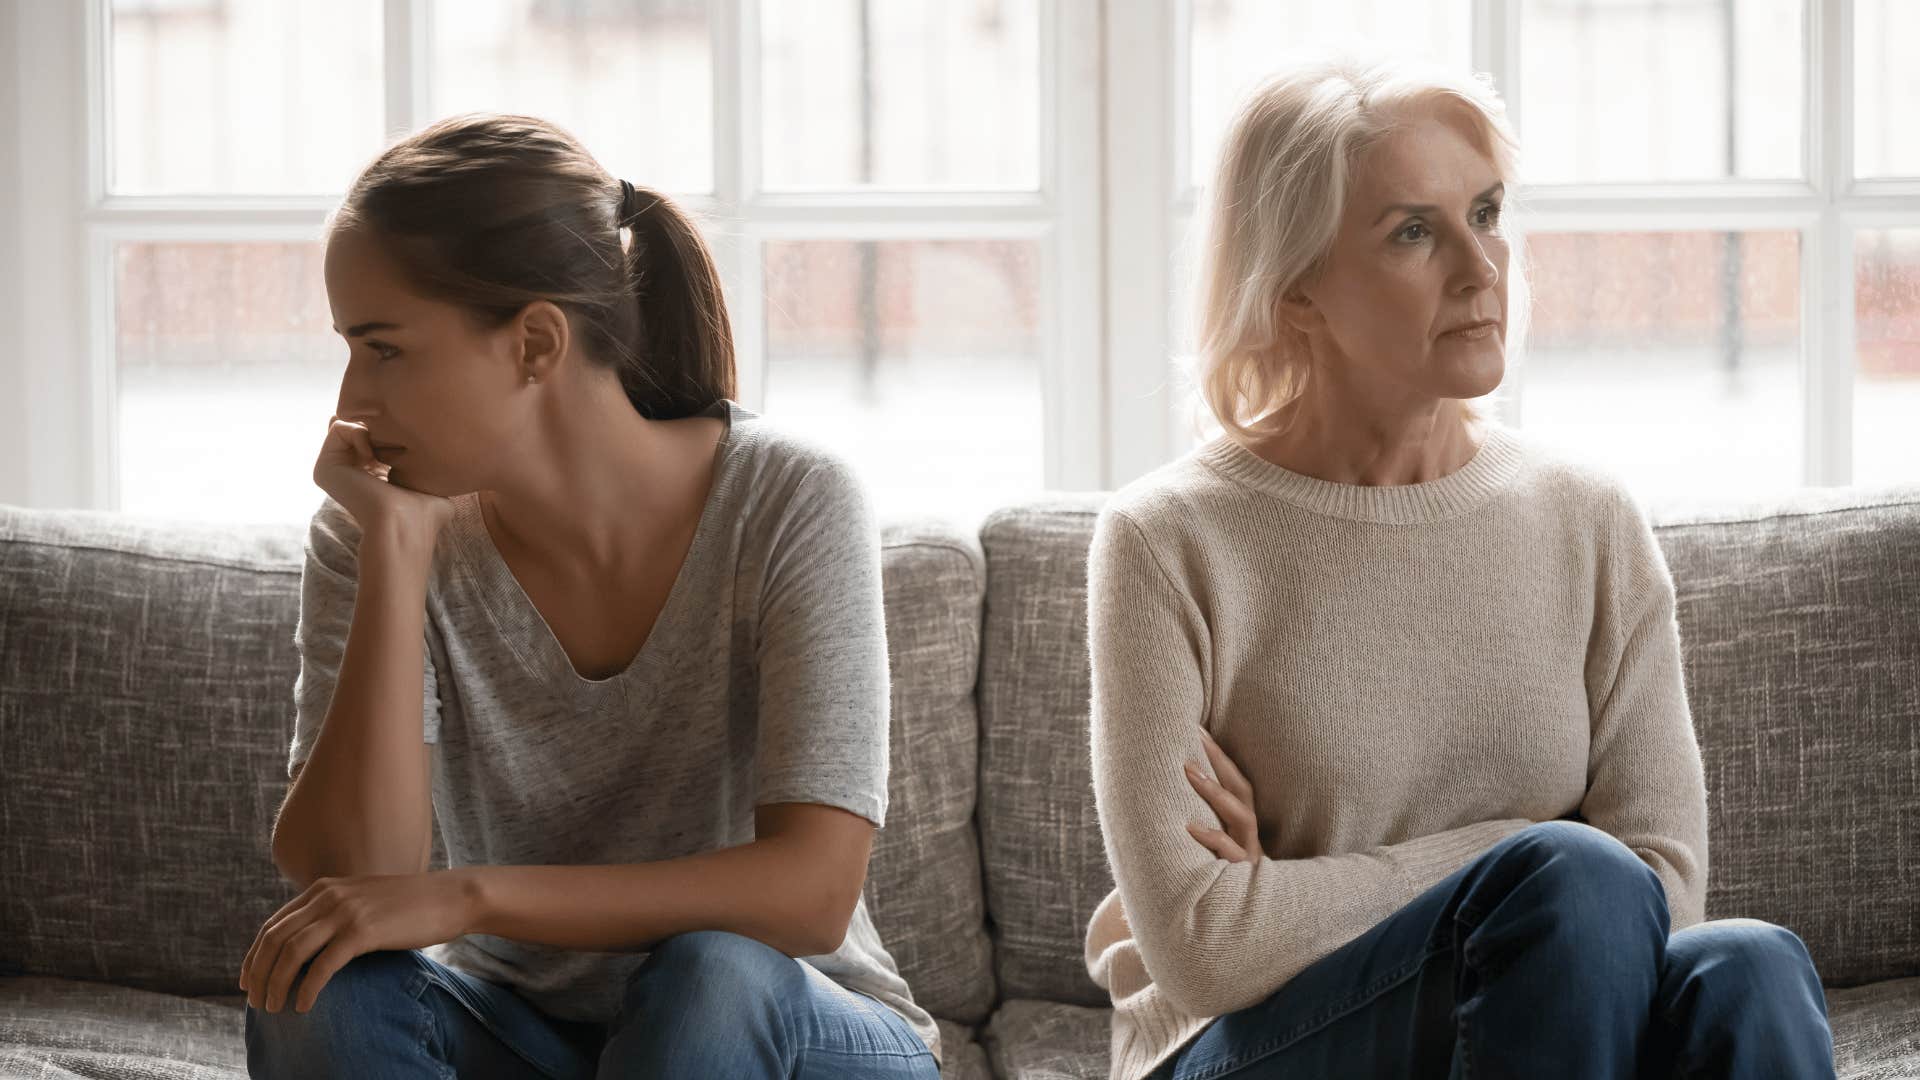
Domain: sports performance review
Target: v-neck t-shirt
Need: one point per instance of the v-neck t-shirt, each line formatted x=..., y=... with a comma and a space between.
x=764, y=679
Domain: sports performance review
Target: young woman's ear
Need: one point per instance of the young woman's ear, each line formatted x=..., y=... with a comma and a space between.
x=543, y=333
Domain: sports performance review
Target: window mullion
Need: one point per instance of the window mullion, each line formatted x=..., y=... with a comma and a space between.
x=404, y=59
x=736, y=186
x=1072, y=281
x=1827, y=315
x=1141, y=102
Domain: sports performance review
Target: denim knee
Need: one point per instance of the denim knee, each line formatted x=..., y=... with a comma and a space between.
x=1587, y=872
x=385, y=984
x=704, y=1003
x=1727, y=961
x=718, y=963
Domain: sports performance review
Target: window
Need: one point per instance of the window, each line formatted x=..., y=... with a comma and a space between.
x=957, y=234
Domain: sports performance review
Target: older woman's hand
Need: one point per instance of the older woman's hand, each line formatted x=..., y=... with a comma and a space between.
x=1231, y=797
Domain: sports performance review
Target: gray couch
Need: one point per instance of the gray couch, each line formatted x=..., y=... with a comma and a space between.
x=146, y=673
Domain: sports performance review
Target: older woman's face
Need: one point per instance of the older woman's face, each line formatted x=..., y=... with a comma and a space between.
x=1412, y=301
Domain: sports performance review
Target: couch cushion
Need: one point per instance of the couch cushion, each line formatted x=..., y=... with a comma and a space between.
x=146, y=681
x=1876, y=1030
x=961, y=1058
x=1876, y=1036
x=1802, y=657
x=1045, y=1040
x=60, y=1028
x=1046, y=866
x=923, y=881
x=1800, y=627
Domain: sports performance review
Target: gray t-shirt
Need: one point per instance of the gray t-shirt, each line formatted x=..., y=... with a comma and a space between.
x=764, y=679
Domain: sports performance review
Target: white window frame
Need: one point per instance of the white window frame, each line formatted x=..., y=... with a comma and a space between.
x=1114, y=186
x=62, y=428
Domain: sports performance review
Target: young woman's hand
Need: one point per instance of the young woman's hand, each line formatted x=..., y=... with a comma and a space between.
x=339, y=918
x=1231, y=797
x=350, y=470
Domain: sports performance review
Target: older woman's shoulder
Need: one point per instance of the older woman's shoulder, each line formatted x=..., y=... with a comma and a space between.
x=1170, y=499
x=1575, y=475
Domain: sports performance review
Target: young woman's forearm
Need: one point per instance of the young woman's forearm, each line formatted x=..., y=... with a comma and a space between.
x=363, y=801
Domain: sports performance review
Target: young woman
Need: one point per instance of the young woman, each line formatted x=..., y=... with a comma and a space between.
x=1391, y=746
x=624, y=640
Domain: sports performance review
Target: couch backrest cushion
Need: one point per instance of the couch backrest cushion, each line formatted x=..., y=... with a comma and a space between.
x=1046, y=866
x=146, y=680
x=146, y=686
x=923, y=882
x=1800, y=629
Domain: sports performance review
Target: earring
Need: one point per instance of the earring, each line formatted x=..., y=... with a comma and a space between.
x=529, y=378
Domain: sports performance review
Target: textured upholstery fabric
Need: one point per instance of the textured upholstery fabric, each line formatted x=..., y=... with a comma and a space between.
x=1800, y=625
x=1876, y=1030
x=53, y=1027
x=145, y=695
x=1046, y=1040
x=923, y=881
x=1046, y=865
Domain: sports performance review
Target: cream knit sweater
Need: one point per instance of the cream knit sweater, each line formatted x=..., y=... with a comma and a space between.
x=1406, y=674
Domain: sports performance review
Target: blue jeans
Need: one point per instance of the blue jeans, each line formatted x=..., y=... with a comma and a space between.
x=704, y=1003
x=1547, y=955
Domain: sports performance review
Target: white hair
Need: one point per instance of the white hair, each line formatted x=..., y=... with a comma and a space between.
x=1278, y=194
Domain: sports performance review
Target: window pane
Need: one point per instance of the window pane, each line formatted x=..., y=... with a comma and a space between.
x=1886, y=389
x=1886, y=87
x=1616, y=90
x=242, y=96
x=919, y=359
x=1672, y=358
x=1237, y=43
x=631, y=80
x=900, y=94
x=228, y=370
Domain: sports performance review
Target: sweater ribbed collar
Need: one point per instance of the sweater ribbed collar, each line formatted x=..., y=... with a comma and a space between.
x=1491, y=467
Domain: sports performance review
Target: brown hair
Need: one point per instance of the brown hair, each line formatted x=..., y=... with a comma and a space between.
x=492, y=211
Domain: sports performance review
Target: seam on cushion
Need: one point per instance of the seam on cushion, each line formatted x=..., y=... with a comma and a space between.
x=972, y=555
x=1007, y=513
x=1681, y=521
x=292, y=568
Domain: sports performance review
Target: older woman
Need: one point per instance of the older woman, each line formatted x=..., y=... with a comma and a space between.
x=1391, y=745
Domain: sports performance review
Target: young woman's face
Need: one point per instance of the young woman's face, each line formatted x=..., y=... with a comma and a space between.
x=1419, y=255
x=430, y=383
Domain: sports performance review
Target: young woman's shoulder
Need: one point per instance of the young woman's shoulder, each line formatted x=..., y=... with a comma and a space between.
x=784, y=461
